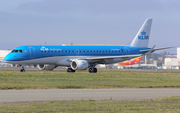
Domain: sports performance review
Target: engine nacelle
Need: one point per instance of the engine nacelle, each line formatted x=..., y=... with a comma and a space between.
x=49, y=67
x=79, y=64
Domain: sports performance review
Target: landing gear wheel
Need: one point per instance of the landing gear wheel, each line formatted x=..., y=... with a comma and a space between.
x=22, y=70
x=92, y=70
x=70, y=70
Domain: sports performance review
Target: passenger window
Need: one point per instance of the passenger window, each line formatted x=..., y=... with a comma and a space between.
x=69, y=51
x=52, y=51
x=49, y=51
x=122, y=50
x=62, y=51
x=41, y=51
x=80, y=51
x=119, y=51
x=109, y=51
x=116, y=51
x=66, y=51
x=100, y=51
x=56, y=51
x=59, y=51
x=45, y=51
x=91, y=51
x=97, y=51
x=88, y=51
x=94, y=51
x=84, y=51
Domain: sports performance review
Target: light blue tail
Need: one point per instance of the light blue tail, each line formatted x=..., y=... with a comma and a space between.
x=142, y=37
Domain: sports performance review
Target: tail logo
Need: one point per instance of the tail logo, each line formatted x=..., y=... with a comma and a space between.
x=143, y=36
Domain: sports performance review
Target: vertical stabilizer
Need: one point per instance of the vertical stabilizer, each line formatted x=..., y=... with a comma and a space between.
x=142, y=37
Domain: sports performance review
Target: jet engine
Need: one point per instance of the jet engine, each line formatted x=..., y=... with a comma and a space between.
x=79, y=64
x=49, y=67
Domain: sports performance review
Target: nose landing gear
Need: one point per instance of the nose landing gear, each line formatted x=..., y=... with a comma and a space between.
x=70, y=70
x=22, y=69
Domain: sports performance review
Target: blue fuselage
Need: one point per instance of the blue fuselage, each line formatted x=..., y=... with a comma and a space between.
x=59, y=55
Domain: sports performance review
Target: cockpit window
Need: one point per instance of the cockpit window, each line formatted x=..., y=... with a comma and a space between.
x=16, y=51
x=21, y=51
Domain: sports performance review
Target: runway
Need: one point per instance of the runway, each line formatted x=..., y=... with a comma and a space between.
x=85, y=94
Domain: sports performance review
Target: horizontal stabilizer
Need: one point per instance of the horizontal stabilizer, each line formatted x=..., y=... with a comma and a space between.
x=155, y=49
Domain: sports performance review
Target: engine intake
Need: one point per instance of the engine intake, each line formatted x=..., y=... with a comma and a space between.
x=49, y=67
x=79, y=64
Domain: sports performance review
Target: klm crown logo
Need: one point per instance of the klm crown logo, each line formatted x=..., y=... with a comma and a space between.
x=143, y=36
x=143, y=33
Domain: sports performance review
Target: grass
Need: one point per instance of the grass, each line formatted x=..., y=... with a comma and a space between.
x=103, y=79
x=104, y=106
x=171, y=98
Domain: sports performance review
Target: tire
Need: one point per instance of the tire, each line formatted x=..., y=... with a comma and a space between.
x=73, y=70
x=70, y=70
x=22, y=70
x=94, y=70
x=90, y=70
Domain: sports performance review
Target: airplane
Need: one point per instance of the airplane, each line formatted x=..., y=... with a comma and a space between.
x=48, y=57
x=124, y=63
x=130, y=62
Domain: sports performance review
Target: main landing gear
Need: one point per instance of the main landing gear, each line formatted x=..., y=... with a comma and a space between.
x=92, y=70
x=70, y=70
x=22, y=69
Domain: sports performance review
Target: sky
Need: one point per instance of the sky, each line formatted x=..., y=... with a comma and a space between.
x=34, y=22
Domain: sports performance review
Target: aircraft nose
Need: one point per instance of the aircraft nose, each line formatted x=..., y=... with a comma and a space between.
x=8, y=58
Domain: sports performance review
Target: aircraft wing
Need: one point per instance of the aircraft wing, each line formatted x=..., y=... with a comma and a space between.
x=111, y=57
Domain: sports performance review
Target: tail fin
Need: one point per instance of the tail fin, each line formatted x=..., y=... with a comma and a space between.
x=142, y=37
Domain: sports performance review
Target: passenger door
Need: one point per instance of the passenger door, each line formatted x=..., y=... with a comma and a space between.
x=127, y=50
x=32, y=52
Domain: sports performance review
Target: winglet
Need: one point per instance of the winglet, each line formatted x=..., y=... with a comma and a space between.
x=150, y=51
